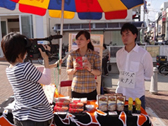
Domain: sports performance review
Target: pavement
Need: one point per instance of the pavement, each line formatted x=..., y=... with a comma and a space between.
x=156, y=104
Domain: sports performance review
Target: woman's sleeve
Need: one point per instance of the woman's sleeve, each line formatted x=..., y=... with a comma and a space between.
x=46, y=77
x=40, y=68
x=69, y=62
x=31, y=73
x=97, y=62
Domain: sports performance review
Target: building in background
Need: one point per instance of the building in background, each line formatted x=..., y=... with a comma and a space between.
x=34, y=26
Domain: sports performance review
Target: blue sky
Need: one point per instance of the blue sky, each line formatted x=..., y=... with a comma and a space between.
x=154, y=8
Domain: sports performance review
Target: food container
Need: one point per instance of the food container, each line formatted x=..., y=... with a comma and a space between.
x=84, y=59
x=79, y=110
x=120, y=103
x=76, y=105
x=65, y=100
x=102, y=102
x=60, y=109
x=60, y=104
x=138, y=105
x=89, y=107
x=79, y=61
x=82, y=100
x=130, y=105
x=112, y=104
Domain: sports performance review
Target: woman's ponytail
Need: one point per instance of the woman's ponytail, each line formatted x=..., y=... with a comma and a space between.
x=90, y=46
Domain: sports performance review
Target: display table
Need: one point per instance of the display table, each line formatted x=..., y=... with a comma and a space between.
x=99, y=118
x=93, y=118
x=6, y=117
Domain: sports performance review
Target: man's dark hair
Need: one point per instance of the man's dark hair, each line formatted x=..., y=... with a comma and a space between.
x=13, y=45
x=131, y=27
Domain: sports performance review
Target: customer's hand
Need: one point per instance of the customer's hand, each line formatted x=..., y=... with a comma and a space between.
x=59, y=62
x=48, y=47
x=75, y=65
x=87, y=65
x=45, y=57
x=43, y=54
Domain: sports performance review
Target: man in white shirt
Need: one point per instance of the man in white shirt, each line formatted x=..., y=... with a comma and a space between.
x=135, y=65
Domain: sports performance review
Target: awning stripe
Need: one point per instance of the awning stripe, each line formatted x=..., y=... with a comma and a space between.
x=7, y=4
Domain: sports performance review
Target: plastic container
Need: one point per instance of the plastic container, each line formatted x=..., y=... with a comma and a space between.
x=138, y=105
x=130, y=105
x=89, y=107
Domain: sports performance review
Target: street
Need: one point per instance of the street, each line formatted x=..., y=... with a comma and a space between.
x=156, y=105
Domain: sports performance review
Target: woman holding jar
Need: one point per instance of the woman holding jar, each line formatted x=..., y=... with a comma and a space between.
x=84, y=83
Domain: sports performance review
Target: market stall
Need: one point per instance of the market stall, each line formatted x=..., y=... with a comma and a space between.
x=95, y=117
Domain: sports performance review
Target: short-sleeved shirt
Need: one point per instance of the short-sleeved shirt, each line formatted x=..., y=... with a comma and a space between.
x=139, y=62
x=30, y=100
x=83, y=80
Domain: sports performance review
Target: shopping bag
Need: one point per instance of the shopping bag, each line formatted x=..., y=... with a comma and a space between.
x=109, y=67
x=49, y=91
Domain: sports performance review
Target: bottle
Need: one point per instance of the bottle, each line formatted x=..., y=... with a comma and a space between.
x=130, y=105
x=138, y=105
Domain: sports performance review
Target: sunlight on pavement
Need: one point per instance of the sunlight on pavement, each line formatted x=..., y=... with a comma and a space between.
x=156, y=121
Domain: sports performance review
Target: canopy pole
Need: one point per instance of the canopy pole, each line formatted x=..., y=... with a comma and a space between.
x=61, y=32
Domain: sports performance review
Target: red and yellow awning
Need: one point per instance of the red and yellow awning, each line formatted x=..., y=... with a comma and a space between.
x=86, y=9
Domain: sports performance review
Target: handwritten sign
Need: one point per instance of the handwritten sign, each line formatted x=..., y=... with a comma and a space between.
x=127, y=79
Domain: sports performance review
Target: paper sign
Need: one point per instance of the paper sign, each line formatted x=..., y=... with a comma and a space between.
x=127, y=79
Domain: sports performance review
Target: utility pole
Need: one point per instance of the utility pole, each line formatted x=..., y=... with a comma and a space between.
x=144, y=12
x=143, y=31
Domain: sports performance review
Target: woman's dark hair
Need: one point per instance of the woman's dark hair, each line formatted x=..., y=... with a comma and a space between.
x=104, y=45
x=131, y=27
x=13, y=45
x=87, y=35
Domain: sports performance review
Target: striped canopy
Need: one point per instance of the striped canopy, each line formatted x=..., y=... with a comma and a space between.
x=86, y=9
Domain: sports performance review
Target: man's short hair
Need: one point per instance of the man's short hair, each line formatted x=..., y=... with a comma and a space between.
x=130, y=27
x=13, y=45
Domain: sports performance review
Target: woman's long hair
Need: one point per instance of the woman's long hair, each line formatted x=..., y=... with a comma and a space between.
x=87, y=35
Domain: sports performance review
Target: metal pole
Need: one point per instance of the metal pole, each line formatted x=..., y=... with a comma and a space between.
x=61, y=32
x=143, y=20
x=1, y=53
